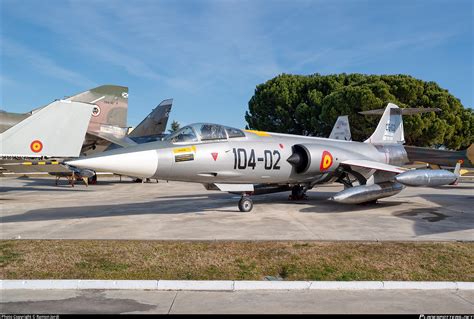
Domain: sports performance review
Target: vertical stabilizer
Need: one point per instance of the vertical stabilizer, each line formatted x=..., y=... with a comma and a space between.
x=390, y=128
x=111, y=105
x=155, y=123
x=341, y=130
x=56, y=130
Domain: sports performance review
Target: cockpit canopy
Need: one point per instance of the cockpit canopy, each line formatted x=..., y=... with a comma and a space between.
x=203, y=132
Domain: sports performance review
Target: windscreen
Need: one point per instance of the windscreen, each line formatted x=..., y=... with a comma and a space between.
x=212, y=132
x=186, y=134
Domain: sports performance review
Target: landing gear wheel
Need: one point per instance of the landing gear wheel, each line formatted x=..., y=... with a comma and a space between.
x=298, y=193
x=92, y=180
x=245, y=204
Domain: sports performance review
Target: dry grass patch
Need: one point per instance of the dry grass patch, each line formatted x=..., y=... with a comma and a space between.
x=104, y=259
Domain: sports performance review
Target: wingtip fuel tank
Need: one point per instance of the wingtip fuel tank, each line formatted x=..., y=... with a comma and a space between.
x=426, y=177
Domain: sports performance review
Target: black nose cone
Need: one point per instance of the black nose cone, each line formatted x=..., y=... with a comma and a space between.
x=295, y=159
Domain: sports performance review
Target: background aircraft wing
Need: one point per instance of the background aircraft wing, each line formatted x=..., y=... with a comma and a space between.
x=50, y=166
x=114, y=134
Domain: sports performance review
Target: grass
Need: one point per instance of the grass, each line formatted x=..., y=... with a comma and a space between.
x=104, y=259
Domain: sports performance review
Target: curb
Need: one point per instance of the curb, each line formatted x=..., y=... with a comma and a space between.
x=230, y=285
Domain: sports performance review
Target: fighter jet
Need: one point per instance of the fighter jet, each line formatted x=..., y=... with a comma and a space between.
x=251, y=162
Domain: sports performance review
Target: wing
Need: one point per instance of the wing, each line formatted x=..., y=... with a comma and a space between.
x=374, y=165
x=115, y=135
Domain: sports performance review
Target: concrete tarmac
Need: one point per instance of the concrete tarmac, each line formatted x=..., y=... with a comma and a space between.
x=35, y=208
x=175, y=302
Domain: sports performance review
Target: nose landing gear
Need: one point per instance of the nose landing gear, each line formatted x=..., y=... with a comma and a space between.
x=245, y=204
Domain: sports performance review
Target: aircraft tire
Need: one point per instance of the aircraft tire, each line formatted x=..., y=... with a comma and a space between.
x=245, y=204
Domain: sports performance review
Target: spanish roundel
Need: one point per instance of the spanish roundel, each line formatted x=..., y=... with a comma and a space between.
x=36, y=146
x=326, y=161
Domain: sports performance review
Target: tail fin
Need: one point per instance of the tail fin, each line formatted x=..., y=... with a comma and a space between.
x=155, y=122
x=341, y=130
x=457, y=169
x=390, y=128
x=457, y=172
x=111, y=105
x=57, y=130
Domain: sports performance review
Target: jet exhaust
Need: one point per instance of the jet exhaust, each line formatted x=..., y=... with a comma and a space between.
x=367, y=193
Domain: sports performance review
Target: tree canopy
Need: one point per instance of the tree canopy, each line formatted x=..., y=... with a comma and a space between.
x=174, y=127
x=310, y=105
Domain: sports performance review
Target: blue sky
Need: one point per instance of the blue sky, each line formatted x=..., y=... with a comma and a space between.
x=210, y=55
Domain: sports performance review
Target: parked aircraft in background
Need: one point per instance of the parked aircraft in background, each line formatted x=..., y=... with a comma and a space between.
x=437, y=158
x=56, y=130
x=107, y=129
x=152, y=128
x=109, y=115
x=252, y=162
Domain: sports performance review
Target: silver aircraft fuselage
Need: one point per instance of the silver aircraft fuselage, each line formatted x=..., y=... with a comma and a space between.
x=254, y=158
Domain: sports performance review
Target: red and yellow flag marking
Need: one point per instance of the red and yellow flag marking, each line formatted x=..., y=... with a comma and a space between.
x=36, y=146
x=326, y=161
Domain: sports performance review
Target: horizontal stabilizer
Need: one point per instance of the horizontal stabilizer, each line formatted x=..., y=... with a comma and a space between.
x=407, y=111
x=57, y=130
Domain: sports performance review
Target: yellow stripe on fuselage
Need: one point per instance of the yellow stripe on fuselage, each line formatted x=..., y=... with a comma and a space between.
x=259, y=133
x=184, y=150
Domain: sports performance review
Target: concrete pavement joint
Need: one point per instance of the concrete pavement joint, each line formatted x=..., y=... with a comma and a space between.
x=172, y=303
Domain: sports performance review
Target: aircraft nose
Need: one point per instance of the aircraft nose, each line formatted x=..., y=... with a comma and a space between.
x=142, y=164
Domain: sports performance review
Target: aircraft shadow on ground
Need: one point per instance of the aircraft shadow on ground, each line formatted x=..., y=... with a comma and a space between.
x=166, y=206
x=441, y=219
x=48, y=185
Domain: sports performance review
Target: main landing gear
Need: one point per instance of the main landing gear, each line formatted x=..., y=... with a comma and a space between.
x=298, y=192
x=245, y=204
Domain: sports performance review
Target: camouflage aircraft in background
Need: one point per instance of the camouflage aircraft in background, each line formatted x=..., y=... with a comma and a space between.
x=255, y=162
